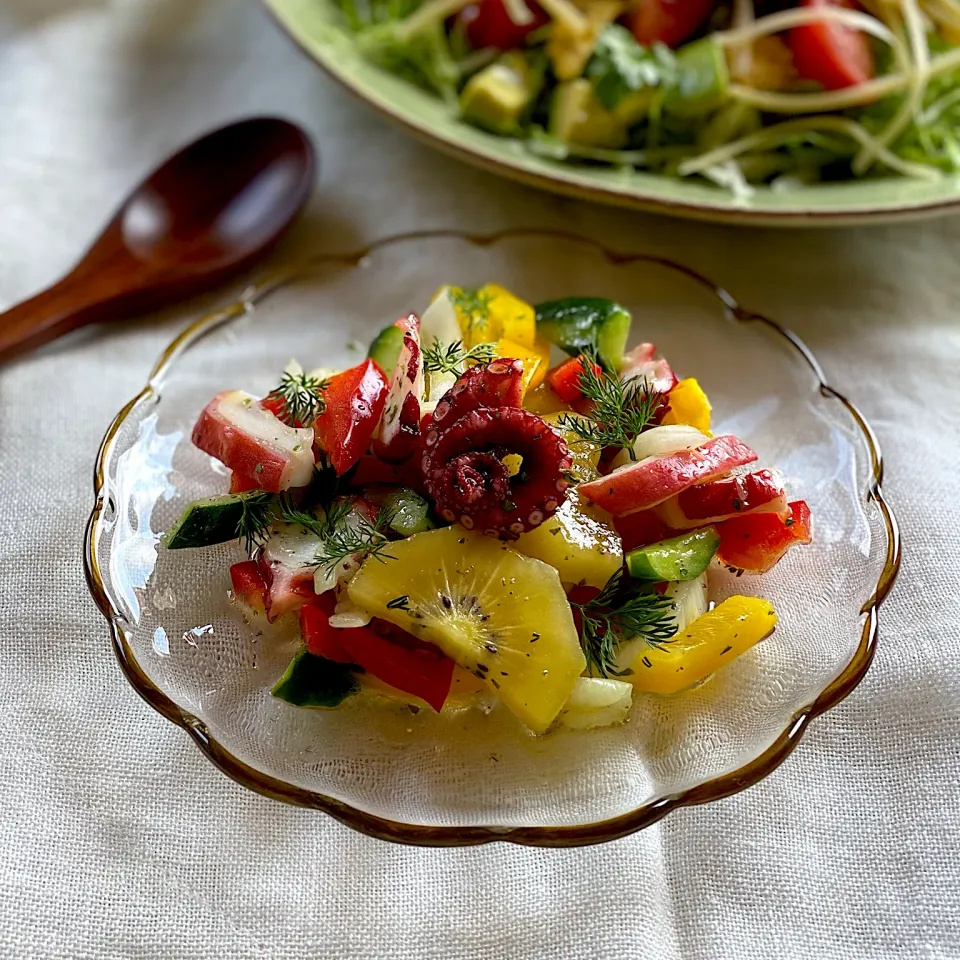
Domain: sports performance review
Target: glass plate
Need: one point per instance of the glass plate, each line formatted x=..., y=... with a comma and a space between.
x=472, y=777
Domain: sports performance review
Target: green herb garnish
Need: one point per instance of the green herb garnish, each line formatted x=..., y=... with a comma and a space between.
x=258, y=511
x=346, y=533
x=302, y=397
x=612, y=618
x=621, y=411
x=453, y=358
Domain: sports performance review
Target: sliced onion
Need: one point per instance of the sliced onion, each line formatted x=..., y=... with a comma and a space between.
x=691, y=600
x=661, y=442
x=597, y=702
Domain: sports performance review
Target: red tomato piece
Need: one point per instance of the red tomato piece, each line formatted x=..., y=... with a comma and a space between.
x=668, y=21
x=354, y=404
x=414, y=667
x=489, y=25
x=833, y=55
x=241, y=484
x=248, y=584
x=565, y=379
x=757, y=542
x=318, y=636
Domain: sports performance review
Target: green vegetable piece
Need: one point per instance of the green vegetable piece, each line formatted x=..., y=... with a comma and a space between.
x=621, y=69
x=312, y=681
x=578, y=322
x=702, y=80
x=498, y=97
x=679, y=558
x=576, y=116
x=385, y=349
x=211, y=520
x=408, y=512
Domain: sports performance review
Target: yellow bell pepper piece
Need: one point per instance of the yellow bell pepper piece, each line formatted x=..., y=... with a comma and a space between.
x=710, y=642
x=534, y=364
x=510, y=316
x=689, y=405
x=492, y=313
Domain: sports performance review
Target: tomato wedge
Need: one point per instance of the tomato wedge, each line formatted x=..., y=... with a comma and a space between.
x=489, y=25
x=354, y=405
x=831, y=54
x=248, y=584
x=758, y=541
x=668, y=21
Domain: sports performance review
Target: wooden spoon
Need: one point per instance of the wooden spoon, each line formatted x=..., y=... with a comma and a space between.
x=208, y=212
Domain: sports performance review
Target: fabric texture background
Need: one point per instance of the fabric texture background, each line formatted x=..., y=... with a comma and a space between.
x=119, y=840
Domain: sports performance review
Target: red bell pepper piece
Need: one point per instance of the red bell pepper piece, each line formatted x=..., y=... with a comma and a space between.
x=565, y=379
x=318, y=636
x=354, y=405
x=832, y=54
x=248, y=584
x=489, y=25
x=757, y=542
x=400, y=660
x=241, y=484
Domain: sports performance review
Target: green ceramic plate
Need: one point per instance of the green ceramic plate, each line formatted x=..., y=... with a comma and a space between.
x=313, y=24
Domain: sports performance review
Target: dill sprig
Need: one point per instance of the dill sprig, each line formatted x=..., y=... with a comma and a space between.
x=620, y=411
x=302, y=397
x=258, y=511
x=345, y=531
x=453, y=358
x=611, y=618
x=473, y=307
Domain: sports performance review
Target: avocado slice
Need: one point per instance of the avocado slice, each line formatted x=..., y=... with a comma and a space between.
x=702, y=80
x=211, y=520
x=576, y=116
x=679, y=558
x=312, y=681
x=574, y=323
x=498, y=96
x=385, y=348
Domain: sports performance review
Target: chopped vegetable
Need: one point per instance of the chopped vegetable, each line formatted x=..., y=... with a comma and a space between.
x=679, y=558
x=757, y=542
x=312, y=681
x=575, y=324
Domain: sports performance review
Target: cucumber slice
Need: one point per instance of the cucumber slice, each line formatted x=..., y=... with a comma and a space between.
x=385, y=348
x=312, y=681
x=409, y=512
x=213, y=519
x=578, y=322
x=679, y=558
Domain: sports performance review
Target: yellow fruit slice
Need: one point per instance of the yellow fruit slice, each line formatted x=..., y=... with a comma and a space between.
x=710, y=642
x=689, y=405
x=500, y=615
x=585, y=455
x=579, y=540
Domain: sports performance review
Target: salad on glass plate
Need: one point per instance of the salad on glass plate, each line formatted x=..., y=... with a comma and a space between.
x=499, y=508
x=735, y=92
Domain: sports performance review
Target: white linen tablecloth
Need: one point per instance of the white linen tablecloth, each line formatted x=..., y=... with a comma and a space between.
x=118, y=839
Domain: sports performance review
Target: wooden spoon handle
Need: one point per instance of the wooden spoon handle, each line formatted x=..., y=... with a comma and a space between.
x=60, y=309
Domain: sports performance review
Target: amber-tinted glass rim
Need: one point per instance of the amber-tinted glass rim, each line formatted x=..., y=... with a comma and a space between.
x=543, y=836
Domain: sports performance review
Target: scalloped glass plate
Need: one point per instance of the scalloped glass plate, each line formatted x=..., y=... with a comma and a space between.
x=474, y=777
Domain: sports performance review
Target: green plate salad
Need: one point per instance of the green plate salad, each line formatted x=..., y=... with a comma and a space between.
x=735, y=93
